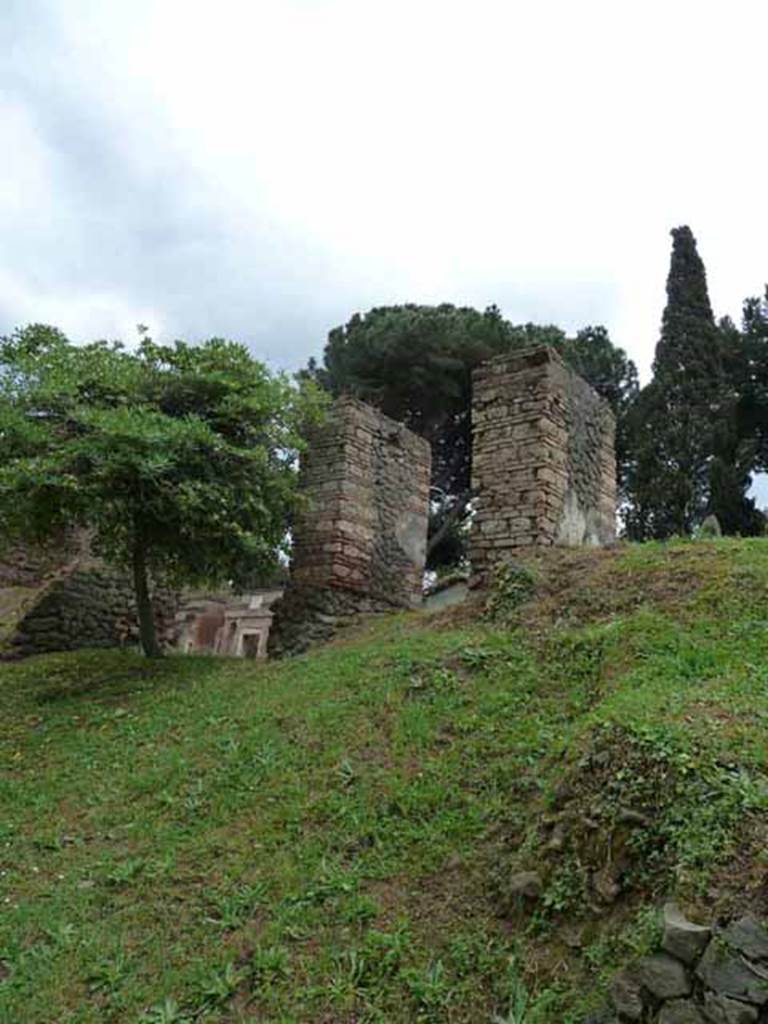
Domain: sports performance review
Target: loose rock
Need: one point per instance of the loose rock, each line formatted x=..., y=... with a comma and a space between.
x=606, y=885
x=525, y=885
x=721, y=1010
x=729, y=974
x=682, y=938
x=681, y=1011
x=626, y=995
x=663, y=976
x=749, y=937
x=629, y=817
x=601, y=1017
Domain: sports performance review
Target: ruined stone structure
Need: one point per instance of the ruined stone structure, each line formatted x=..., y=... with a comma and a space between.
x=703, y=974
x=225, y=624
x=360, y=543
x=60, y=598
x=543, y=473
x=543, y=460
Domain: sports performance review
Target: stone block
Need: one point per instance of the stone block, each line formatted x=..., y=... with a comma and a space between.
x=722, y=1010
x=626, y=995
x=749, y=937
x=681, y=1011
x=682, y=938
x=366, y=479
x=727, y=973
x=663, y=976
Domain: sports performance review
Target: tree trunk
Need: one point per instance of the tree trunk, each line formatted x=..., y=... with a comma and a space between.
x=147, y=631
x=457, y=512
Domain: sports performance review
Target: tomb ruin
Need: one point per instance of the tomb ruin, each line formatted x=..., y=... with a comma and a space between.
x=360, y=541
x=543, y=458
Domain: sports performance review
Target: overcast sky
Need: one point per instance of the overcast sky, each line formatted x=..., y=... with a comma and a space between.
x=262, y=169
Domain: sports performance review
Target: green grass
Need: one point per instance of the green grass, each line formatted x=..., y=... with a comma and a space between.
x=331, y=839
x=12, y=601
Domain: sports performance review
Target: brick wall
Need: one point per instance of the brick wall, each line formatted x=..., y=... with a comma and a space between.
x=360, y=543
x=543, y=463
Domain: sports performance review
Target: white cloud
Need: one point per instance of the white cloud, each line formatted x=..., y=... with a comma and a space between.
x=264, y=169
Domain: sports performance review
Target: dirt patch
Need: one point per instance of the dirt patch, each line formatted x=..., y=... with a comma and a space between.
x=578, y=586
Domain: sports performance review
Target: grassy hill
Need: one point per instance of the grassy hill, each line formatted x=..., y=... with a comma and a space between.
x=341, y=838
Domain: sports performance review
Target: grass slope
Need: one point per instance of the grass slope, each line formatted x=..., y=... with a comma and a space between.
x=336, y=838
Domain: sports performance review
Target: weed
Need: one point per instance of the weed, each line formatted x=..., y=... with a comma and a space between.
x=126, y=871
x=376, y=961
x=167, y=1012
x=512, y=586
x=267, y=965
x=522, y=1007
x=218, y=987
x=108, y=974
x=430, y=989
x=232, y=909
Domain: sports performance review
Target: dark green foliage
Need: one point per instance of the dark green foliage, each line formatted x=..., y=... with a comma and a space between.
x=675, y=414
x=512, y=585
x=179, y=460
x=692, y=437
x=415, y=364
x=751, y=374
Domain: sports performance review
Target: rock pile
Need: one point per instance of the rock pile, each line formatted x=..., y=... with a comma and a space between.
x=701, y=976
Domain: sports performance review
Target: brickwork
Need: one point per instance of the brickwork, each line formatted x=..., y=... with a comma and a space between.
x=360, y=543
x=543, y=463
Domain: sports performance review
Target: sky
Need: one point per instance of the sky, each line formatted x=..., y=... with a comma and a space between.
x=262, y=169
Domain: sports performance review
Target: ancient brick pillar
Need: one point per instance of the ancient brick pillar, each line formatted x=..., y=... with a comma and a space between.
x=360, y=542
x=543, y=459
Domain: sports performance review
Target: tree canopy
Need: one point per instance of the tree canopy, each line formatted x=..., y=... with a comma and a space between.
x=179, y=460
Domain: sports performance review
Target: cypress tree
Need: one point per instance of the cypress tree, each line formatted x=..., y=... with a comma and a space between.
x=675, y=417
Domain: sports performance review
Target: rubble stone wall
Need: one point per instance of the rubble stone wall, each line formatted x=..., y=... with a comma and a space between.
x=60, y=598
x=85, y=608
x=28, y=565
x=543, y=460
x=701, y=975
x=360, y=542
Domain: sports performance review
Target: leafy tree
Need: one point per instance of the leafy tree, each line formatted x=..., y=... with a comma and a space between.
x=415, y=364
x=178, y=460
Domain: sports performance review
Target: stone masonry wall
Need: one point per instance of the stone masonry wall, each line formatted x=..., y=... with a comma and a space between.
x=60, y=598
x=543, y=461
x=360, y=543
x=701, y=975
x=85, y=608
x=27, y=565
